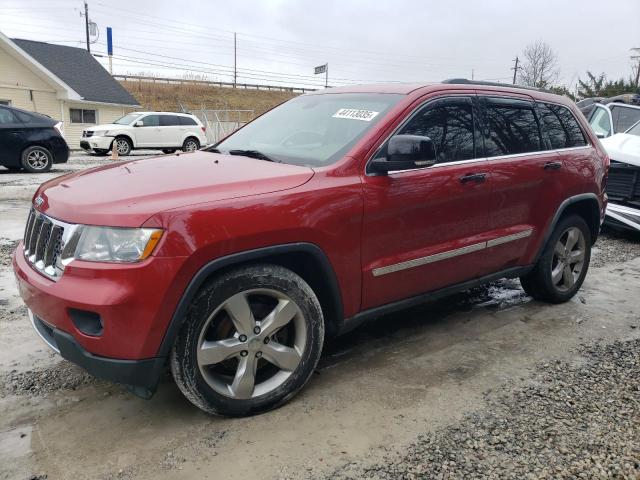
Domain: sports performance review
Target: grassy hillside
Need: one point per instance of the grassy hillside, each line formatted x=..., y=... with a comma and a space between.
x=166, y=97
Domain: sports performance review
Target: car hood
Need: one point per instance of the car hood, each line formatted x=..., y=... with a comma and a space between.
x=128, y=193
x=108, y=126
x=623, y=147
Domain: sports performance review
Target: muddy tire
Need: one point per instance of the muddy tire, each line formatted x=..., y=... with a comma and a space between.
x=251, y=339
x=564, y=262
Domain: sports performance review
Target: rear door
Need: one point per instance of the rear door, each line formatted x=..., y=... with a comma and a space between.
x=524, y=179
x=12, y=139
x=424, y=229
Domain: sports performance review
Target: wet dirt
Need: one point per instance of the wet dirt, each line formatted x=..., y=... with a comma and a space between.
x=375, y=391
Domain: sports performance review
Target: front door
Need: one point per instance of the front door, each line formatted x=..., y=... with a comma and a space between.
x=149, y=134
x=425, y=229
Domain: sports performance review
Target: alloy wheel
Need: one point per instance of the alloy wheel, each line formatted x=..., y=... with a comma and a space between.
x=122, y=146
x=37, y=159
x=568, y=259
x=191, y=146
x=251, y=343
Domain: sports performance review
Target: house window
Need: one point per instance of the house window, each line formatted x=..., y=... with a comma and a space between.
x=5, y=102
x=79, y=115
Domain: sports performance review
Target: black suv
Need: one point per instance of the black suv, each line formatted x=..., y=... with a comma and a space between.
x=30, y=141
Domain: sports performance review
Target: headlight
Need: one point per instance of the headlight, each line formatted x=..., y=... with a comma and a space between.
x=107, y=244
x=101, y=133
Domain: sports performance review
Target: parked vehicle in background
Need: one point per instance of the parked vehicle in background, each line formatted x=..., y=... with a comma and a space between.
x=232, y=263
x=146, y=130
x=623, y=186
x=609, y=116
x=30, y=141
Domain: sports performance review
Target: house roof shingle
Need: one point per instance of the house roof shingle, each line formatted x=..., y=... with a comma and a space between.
x=78, y=69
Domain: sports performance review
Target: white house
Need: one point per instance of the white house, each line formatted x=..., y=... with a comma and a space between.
x=65, y=83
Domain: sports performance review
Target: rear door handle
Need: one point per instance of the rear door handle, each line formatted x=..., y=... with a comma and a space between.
x=552, y=166
x=473, y=177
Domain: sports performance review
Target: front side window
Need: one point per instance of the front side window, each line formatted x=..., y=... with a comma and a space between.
x=624, y=117
x=449, y=124
x=311, y=130
x=79, y=115
x=510, y=127
x=600, y=122
x=560, y=127
x=151, y=121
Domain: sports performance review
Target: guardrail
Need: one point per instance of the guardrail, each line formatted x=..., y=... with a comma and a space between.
x=180, y=81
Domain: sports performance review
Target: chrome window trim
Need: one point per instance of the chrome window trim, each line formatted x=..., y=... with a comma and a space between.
x=417, y=262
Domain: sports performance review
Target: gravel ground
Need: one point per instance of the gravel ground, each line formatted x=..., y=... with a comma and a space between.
x=615, y=246
x=41, y=382
x=568, y=421
x=6, y=248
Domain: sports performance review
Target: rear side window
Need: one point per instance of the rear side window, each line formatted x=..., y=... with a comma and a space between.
x=510, y=127
x=187, y=121
x=624, y=117
x=560, y=128
x=169, y=120
x=7, y=117
x=450, y=125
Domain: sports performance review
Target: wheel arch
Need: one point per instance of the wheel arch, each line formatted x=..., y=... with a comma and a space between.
x=305, y=259
x=586, y=205
x=127, y=136
x=188, y=136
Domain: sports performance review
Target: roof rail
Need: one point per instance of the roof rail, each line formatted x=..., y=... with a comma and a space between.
x=466, y=81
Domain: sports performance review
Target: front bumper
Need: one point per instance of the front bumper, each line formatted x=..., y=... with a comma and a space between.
x=96, y=143
x=622, y=216
x=138, y=373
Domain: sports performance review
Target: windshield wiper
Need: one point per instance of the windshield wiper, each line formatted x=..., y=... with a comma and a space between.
x=254, y=154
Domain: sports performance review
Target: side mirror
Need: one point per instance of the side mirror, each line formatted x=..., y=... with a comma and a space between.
x=139, y=123
x=406, y=152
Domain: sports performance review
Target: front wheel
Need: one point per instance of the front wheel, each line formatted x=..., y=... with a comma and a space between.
x=250, y=342
x=563, y=265
x=122, y=145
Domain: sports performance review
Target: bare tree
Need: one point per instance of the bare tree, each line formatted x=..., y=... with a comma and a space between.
x=539, y=66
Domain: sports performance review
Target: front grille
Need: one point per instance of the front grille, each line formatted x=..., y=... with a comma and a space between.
x=44, y=241
x=87, y=133
x=623, y=184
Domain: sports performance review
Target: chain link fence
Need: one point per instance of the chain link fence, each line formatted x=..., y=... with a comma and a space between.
x=220, y=123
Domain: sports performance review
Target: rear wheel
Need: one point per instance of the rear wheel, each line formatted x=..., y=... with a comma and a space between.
x=190, y=145
x=37, y=159
x=563, y=265
x=251, y=340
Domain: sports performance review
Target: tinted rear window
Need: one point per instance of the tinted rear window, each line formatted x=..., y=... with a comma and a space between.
x=560, y=127
x=511, y=127
x=169, y=120
x=187, y=121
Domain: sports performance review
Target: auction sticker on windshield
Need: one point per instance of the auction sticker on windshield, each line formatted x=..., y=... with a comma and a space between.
x=355, y=114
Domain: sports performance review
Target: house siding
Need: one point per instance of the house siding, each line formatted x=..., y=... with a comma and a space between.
x=105, y=114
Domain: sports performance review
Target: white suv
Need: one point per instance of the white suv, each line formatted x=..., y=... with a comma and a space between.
x=149, y=130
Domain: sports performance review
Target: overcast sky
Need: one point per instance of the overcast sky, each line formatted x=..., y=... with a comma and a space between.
x=279, y=41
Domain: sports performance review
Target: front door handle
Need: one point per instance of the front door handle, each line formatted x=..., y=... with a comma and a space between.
x=473, y=177
x=552, y=166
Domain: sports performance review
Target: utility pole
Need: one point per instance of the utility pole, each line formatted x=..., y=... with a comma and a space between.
x=326, y=76
x=637, y=57
x=235, y=60
x=472, y=74
x=86, y=25
x=515, y=69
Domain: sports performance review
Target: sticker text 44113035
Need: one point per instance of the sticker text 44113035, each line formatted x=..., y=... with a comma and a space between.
x=356, y=114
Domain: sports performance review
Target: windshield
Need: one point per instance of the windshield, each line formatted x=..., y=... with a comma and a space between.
x=311, y=130
x=127, y=119
x=635, y=130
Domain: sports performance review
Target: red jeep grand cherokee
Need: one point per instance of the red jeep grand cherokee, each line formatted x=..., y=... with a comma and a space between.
x=231, y=264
